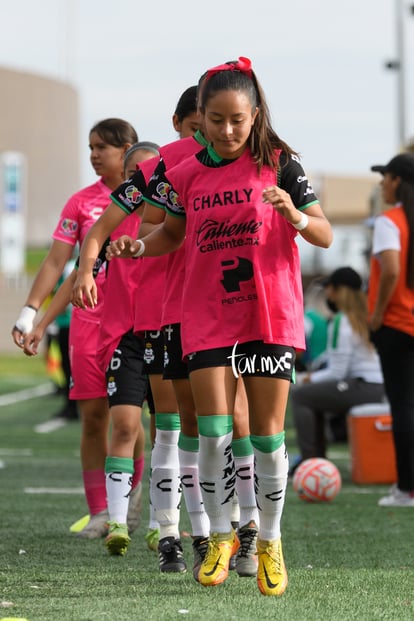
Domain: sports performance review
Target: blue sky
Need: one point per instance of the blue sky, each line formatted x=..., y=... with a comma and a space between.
x=320, y=62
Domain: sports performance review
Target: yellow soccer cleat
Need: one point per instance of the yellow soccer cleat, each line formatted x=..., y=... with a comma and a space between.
x=272, y=577
x=117, y=540
x=80, y=524
x=215, y=567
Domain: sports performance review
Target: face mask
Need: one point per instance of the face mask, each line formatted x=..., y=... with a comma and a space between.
x=332, y=306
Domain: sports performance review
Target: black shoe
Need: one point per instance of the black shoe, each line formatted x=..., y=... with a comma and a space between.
x=294, y=465
x=170, y=554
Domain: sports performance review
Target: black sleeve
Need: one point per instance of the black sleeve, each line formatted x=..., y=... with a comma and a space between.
x=293, y=180
x=157, y=190
x=128, y=196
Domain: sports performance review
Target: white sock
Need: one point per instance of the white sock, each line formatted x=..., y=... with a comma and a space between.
x=165, y=482
x=245, y=489
x=118, y=488
x=271, y=480
x=200, y=524
x=217, y=480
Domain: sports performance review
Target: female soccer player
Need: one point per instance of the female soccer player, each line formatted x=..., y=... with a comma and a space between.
x=239, y=203
x=108, y=141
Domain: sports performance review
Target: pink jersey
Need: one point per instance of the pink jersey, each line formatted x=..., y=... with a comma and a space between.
x=78, y=215
x=242, y=280
x=122, y=279
x=172, y=154
x=151, y=283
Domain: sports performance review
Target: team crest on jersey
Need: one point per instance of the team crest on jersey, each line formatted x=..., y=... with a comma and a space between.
x=148, y=353
x=174, y=204
x=166, y=358
x=111, y=387
x=69, y=227
x=163, y=190
x=133, y=194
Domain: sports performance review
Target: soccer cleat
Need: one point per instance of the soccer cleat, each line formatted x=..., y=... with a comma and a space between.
x=215, y=567
x=152, y=538
x=246, y=559
x=232, y=564
x=170, y=555
x=397, y=498
x=272, y=577
x=118, y=539
x=134, y=508
x=97, y=526
x=200, y=546
x=80, y=524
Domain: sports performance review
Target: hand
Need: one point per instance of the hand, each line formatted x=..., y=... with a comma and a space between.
x=23, y=325
x=31, y=342
x=84, y=292
x=125, y=247
x=375, y=321
x=282, y=202
x=301, y=378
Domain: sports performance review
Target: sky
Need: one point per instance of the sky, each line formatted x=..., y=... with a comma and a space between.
x=321, y=64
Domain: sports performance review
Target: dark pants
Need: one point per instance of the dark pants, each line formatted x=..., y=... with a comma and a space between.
x=63, y=341
x=396, y=352
x=311, y=403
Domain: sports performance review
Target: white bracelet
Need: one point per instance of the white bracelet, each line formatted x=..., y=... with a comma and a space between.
x=24, y=323
x=140, y=250
x=303, y=222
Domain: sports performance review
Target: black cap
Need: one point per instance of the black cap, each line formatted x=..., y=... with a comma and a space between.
x=344, y=276
x=401, y=165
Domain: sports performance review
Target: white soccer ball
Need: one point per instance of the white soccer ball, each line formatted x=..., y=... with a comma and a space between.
x=317, y=480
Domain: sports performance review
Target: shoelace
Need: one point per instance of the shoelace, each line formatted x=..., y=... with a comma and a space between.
x=202, y=548
x=246, y=538
x=274, y=552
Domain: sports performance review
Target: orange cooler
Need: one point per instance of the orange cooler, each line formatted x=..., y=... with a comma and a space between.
x=371, y=444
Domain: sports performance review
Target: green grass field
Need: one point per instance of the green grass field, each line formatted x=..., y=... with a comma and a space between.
x=347, y=560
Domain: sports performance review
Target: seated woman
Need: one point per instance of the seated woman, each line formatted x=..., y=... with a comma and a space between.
x=352, y=375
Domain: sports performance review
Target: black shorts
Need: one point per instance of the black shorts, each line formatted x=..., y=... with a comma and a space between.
x=154, y=352
x=126, y=381
x=174, y=365
x=252, y=359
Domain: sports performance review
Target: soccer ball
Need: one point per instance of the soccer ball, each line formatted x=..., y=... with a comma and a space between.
x=317, y=480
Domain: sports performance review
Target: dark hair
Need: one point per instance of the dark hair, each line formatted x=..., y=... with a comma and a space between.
x=115, y=132
x=405, y=195
x=144, y=145
x=263, y=140
x=187, y=104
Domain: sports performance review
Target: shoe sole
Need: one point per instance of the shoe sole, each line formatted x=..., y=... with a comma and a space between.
x=173, y=570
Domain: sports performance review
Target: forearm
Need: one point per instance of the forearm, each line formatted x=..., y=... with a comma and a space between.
x=43, y=285
x=59, y=301
x=161, y=241
x=318, y=231
x=387, y=284
x=91, y=247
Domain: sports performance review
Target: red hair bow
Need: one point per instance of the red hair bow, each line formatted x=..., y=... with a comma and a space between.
x=244, y=65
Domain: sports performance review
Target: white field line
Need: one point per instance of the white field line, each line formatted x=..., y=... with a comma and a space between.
x=54, y=490
x=28, y=393
x=7, y=452
x=50, y=425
